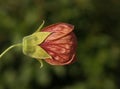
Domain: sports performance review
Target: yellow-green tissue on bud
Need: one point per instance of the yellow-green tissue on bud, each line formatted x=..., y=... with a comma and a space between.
x=31, y=45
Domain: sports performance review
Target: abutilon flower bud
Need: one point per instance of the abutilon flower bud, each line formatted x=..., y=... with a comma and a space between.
x=56, y=44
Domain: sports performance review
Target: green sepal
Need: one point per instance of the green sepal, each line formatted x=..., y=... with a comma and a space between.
x=31, y=45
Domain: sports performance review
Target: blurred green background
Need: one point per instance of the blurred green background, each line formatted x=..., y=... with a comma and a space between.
x=97, y=27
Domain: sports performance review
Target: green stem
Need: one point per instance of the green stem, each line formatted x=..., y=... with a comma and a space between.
x=40, y=26
x=12, y=46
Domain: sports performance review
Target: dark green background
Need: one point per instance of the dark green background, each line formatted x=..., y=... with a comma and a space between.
x=97, y=27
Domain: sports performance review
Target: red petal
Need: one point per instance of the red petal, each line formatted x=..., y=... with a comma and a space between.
x=59, y=30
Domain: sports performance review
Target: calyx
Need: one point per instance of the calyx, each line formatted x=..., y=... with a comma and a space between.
x=31, y=45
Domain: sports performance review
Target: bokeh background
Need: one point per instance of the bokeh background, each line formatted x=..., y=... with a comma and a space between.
x=97, y=27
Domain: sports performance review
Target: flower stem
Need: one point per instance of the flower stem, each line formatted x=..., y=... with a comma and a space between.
x=12, y=46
